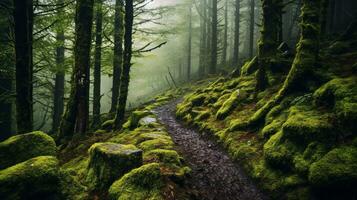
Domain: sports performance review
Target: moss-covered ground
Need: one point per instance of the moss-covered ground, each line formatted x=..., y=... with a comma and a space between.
x=305, y=146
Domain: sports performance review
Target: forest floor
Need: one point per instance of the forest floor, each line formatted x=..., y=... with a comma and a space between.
x=214, y=174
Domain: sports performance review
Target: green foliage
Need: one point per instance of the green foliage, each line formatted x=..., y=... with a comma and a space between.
x=141, y=183
x=23, y=147
x=134, y=119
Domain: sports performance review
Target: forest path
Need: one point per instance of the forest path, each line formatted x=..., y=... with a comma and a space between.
x=214, y=175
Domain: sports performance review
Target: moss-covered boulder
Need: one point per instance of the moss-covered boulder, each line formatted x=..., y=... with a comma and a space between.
x=144, y=183
x=37, y=178
x=110, y=161
x=250, y=67
x=20, y=148
x=134, y=119
x=108, y=125
x=305, y=124
x=230, y=104
x=338, y=168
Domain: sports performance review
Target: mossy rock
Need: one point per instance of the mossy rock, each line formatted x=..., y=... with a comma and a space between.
x=158, y=143
x=221, y=100
x=20, y=148
x=164, y=156
x=134, y=119
x=36, y=178
x=202, y=115
x=231, y=103
x=144, y=183
x=110, y=161
x=197, y=100
x=338, y=168
x=304, y=125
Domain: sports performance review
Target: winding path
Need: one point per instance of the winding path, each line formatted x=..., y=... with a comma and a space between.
x=214, y=175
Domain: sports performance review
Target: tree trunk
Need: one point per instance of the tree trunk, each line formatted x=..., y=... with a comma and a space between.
x=251, y=28
x=209, y=35
x=225, y=36
x=75, y=119
x=269, y=39
x=189, y=48
x=118, y=52
x=203, y=39
x=214, y=43
x=305, y=58
x=97, y=64
x=125, y=77
x=236, y=34
x=6, y=74
x=323, y=17
x=23, y=19
x=58, y=96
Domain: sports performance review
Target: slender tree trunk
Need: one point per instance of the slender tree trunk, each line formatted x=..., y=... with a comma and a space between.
x=75, y=119
x=269, y=39
x=118, y=52
x=251, y=28
x=125, y=77
x=323, y=17
x=225, y=37
x=294, y=21
x=236, y=34
x=209, y=35
x=189, y=48
x=23, y=18
x=58, y=96
x=203, y=38
x=6, y=74
x=214, y=43
x=97, y=64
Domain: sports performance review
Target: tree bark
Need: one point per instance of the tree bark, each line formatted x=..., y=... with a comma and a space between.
x=225, y=35
x=189, y=47
x=203, y=39
x=75, y=119
x=236, y=34
x=97, y=64
x=23, y=18
x=118, y=52
x=58, y=96
x=125, y=77
x=251, y=28
x=214, y=43
x=269, y=39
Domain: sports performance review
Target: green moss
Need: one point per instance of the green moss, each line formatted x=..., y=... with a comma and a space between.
x=183, y=109
x=274, y=123
x=305, y=125
x=108, y=125
x=203, y=115
x=164, y=156
x=37, y=178
x=230, y=104
x=250, y=67
x=221, y=100
x=110, y=161
x=19, y=148
x=144, y=183
x=338, y=168
x=279, y=152
x=158, y=143
x=134, y=119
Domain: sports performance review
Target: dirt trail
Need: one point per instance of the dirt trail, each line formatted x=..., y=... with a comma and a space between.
x=214, y=175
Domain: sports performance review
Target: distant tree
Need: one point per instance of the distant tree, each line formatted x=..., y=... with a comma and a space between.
x=214, y=38
x=97, y=63
x=251, y=28
x=225, y=35
x=189, y=46
x=236, y=33
x=125, y=76
x=203, y=38
x=23, y=21
x=75, y=119
x=118, y=52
